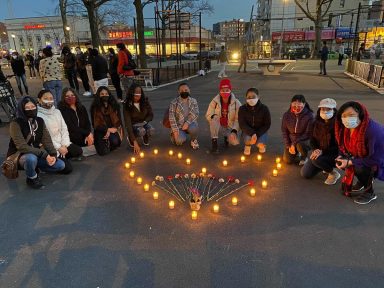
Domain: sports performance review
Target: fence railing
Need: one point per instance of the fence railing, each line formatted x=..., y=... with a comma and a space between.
x=175, y=72
x=369, y=73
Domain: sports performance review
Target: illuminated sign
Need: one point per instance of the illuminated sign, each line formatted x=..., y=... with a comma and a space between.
x=36, y=26
x=127, y=34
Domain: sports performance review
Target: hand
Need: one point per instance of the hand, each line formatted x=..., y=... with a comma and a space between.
x=341, y=163
x=253, y=139
x=232, y=137
x=63, y=151
x=112, y=130
x=315, y=154
x=51, y=160
x=185, y=126
x=106, y=136
x=292, y=150
x=89, y=140
x=175, y=135
x=136, y=147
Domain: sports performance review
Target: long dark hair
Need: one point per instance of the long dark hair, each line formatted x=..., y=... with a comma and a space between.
x=300, y=98
x=131, y=94
x=62, y=102
x=111, y=100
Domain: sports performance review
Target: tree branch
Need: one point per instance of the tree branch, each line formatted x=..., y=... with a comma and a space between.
x=307, y=13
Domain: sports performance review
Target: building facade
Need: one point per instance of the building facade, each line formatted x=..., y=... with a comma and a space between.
x=230, y=30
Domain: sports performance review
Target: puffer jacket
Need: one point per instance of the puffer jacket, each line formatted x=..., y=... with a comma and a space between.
x=56, y=126
x=254, y=120
x=296, y=128
x=214, y=108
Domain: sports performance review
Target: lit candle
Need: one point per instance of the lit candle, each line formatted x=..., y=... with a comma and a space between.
x=155, y=151
x=155, y=195
x=139, y=180
x=204, y=170
x=170, y=152
x=259, y=157
x=127, y=165
x=234, y=201
x=275, y=172
x=171, y=204
x=278, y=160
x=278, y=166
x=264, y=184
x=188, y=161
x=146, y=187
x=225, y=163
x=179, y=155
x=216, y=208
x=252, y=192
x=242, y=159
x=132, y=174
x=133, y=160
x=194, y=215
x=141, y=154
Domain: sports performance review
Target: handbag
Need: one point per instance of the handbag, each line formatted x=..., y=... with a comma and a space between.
x=9, y=168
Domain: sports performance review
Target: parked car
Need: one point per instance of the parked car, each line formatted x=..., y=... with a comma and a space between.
x=173, y=56
x=298, y=53
x=208, y=55
x=191, y=55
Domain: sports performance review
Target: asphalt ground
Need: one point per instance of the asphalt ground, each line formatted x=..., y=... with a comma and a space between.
x=97, y=228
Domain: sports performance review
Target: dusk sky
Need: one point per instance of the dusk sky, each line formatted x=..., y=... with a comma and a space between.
x=224, y=10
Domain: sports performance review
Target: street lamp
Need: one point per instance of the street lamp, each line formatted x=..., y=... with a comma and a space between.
x=14, y=42
x=282, y=30
x=69, y=35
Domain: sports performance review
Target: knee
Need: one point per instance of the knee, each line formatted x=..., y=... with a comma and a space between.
x=31, y=160
x=305, y=172
x=140, y=131
x=150, y=131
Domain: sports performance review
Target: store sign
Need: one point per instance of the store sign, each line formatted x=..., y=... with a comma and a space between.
x=127, y=34
x=345, y=33
x=289, y=36
x=328, y=34
x=35, y=26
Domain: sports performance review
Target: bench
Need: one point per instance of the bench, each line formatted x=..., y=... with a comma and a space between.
x=273, y=67
x=145, y=77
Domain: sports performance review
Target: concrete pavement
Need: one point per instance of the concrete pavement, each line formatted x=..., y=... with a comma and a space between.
x=97, y=228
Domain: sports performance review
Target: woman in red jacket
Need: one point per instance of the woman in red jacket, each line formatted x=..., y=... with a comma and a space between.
x=125, y=66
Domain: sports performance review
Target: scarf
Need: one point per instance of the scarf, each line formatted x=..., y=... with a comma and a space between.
x=322, y=132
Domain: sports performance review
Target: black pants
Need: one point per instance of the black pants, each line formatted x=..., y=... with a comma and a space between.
x=116, y=83
x=104, y=146
x=341, y=57
x=84, y=78
x=72, y=78
x=32, y=72
x=365, y=175
x=301, y=147
x=325, y=162
x=74, y=151
x=323, y=68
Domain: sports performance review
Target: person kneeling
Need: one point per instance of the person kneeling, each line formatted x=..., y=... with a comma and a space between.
x=323, y=144
x=30, y=137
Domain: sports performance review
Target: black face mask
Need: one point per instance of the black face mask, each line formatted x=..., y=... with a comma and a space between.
x=30, y=113
x=184, y=95
x=104, y=99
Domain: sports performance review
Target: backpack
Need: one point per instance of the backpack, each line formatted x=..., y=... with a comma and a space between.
x=166, y=122
x=131, y=63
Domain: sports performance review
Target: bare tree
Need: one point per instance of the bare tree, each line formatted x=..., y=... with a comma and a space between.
x=320, y=9
x=63, y=12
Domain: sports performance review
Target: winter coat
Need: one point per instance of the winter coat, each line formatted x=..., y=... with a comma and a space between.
x=99, y=68
x=322, y=136
x=296, y=128
x=49, y=69
x=104, y=118
x=56, y=126
x=81, y=61
x=324, y=53
x=254, y=120
x=18, y=66
x=176, y=113
x=113, y=63
x=133, y=116
x=78, y=124
x=40, y=144
x=69, y=61
x=214, y=108
x=123, y=60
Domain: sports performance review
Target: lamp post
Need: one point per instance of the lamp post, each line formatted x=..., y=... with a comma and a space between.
x=282, y=30
x=14, y=42
x=69, y=34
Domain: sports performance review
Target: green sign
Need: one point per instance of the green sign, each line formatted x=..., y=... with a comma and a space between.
x=148, y=33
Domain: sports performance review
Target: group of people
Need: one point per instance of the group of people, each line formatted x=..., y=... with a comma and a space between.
x=49, y=133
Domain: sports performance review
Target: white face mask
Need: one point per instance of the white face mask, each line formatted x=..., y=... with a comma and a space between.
x=14, y=57
x=326, y=115
x=252, y=102
x=351, y=122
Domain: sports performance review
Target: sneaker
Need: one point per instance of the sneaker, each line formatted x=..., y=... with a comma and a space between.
x=195, y=144
x=357, y=187
x=87, y=94
x=365, y=198
x=302, y=162
x=35, y=183
x=262, y=148
x=247, y=150
x=332, y=178
x=146, y=140
x=215, y=146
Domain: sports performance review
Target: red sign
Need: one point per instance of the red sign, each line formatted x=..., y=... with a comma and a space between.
x=328, y=34
x=120, y=34
x=35, y=26
x=289, y=36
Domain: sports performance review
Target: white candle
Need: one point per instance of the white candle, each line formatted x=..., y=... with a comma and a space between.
x=171, y=204
x=278, y=160
x=242, y=159
x=234, y=201
x=194, y=215
x=170, y=152
x=274, y=172
x=179, y=155
x=139, y=180
x=141, y=154
x=127, y=165
x=204, y=170
x=133, y=160
x=259, y=157
x=155, y=151
x=146, y=187
x=216, y=208
x=278, y=166
x=225, y=163
x=252, y=192
x=155, y=195
x=132, y=174
x=264, y=184
x=188, y=161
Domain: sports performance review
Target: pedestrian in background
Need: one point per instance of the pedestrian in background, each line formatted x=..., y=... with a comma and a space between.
x=88, y=66
x=37, y=60
x=223, y=61
x=30, y=62
x=113, y=63
x=82, y=71
x=360, y=52
x=18, y=68
x=99, y=69
x=243, y=59
x=324, y=57
x=70, y=67
x=125, y=66
x=341, y=51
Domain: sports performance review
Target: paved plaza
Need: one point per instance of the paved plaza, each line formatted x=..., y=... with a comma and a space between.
x=97, y=228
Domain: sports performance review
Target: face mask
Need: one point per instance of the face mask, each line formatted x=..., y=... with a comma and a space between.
x=184, y=95
x=104, y=99
x=41, y=54
x=252, y=102
x=225, y=95
x=350, y=122
x=70, y=100
x=326, y=115
x=14, y=57
x=31, y=113
x=47, y=104
x=297, y=109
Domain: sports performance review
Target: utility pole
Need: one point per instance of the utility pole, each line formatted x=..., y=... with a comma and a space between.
x=356, y=39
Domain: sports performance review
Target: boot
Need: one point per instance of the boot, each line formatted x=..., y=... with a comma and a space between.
x=215, y=146
x=35, y=183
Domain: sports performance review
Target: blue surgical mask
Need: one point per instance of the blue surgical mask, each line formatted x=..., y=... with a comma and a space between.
x=350, y=122
x=326, y=115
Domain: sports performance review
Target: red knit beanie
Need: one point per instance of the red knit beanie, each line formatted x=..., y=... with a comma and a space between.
x=225, y=83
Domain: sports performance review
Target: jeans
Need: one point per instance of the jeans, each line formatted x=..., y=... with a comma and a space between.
x=127, y=82
x=301, y=147
x=216, y=129
x=260, y=140
x=32, y=72
x=55, y=87
x=325, y=162
x=72, y=78
x=23, y=79
x=116, y=83
x=141, y=129
x=222, y=69
x=30, y=162
x=193, y=130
